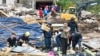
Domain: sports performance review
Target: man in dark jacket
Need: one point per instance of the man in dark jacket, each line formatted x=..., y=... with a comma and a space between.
x=11, y=42
x=77, y=39
x=74, y=28
x=48, y=36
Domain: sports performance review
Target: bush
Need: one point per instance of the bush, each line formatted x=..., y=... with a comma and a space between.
x=65, y=4
x=94, y=9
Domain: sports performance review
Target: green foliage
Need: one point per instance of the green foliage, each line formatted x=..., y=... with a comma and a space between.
x=98, y=1
x=94, y=9
x=66, y=3
x=70, y=3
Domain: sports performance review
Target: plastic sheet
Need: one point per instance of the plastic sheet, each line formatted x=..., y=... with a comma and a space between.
x=20, y=28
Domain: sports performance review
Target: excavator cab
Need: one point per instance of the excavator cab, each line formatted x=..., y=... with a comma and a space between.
x=72, y=10
x=71, y=13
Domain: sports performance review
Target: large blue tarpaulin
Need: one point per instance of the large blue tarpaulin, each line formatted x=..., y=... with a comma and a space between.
x=20, y=27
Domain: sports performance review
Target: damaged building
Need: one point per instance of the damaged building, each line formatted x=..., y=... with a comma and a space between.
x=35, y=4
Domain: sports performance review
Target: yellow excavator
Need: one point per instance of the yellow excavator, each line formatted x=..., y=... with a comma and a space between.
x=71, y=13
x=75, y=12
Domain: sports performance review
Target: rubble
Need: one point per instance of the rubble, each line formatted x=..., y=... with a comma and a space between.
x=87, y=27
x=92, y=40
x=85, y=13
x=29, y=19
x=92, y=43
x=90, y=21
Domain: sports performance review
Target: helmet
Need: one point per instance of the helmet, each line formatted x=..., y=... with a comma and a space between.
x=27, y=34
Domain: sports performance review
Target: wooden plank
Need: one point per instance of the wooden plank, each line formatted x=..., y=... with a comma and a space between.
x=90, y=47
x=3, y=13
x=30, y=20
x=25, y=54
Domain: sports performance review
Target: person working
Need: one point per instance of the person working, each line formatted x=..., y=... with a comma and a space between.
x=58, y=39
x=48, y=36
x=40, y=13
x=24, y=39
x=74, y=28
x=77, y=39
x=46, y=11
x=11, y=43
x=64, y=38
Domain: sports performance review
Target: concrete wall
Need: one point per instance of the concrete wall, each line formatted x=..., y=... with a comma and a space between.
x=10, y=2
x=0, y=1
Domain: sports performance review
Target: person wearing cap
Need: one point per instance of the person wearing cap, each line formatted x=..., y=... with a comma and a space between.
x=47, y=37
x=24, y=39
x=74, y=28
x=11, y=43
x=64, y=38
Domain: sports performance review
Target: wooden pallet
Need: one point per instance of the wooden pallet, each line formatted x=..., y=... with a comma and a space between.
x=29, y=20
x=24, y=54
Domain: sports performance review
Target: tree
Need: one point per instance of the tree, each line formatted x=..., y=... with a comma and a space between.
x=98, y=1
x=95, y=9
x=64, y=4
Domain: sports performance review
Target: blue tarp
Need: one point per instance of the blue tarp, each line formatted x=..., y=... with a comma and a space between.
x=12, y=20
x=20, y=28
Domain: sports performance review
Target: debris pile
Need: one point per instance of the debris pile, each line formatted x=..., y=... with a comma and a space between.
x=29, y=19
x=85, y=13
x=92, y=40
x=87, y=27
x=89, y=24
